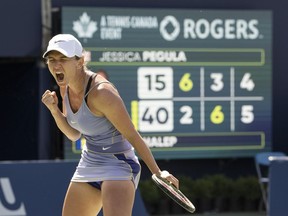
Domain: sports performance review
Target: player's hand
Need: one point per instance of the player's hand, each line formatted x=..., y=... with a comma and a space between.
x=50, y=99
x=170, y=178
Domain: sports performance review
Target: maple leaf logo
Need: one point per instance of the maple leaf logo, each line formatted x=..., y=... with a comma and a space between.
x=85, y=27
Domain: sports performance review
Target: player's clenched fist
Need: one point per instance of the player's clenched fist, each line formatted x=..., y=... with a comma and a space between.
x=50, y=99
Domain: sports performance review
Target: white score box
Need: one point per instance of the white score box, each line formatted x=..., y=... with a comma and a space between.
x=156, y=116
x=155, y=82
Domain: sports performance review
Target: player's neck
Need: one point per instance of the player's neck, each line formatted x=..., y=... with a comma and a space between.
x=78, y=87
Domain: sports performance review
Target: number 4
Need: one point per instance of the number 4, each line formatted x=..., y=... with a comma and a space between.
x=247, y=82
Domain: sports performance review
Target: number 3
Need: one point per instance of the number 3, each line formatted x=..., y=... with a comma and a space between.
x=218, y=83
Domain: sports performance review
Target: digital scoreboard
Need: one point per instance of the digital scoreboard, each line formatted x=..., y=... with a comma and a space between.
x=197, y=83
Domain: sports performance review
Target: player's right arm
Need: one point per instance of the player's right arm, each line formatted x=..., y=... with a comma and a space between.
x=50, y=100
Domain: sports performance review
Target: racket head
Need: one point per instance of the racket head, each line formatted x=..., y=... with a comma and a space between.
x=174, y=193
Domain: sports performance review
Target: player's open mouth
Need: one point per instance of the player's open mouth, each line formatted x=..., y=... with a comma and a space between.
x=59, y=77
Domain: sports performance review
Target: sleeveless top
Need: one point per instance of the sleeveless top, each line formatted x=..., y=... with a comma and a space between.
x=100, y=134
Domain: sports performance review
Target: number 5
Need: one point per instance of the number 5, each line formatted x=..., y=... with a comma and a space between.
x=247, y=114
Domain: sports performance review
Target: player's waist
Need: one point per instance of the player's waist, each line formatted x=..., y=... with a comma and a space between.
x=117, y=147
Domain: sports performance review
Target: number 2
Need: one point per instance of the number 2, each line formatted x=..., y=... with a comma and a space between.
x=187, y=115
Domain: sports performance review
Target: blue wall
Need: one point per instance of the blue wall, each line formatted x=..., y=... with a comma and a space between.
x=20, y=23
x=39, y=188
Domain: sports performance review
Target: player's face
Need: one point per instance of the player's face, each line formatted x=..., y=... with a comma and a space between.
x=61, y=67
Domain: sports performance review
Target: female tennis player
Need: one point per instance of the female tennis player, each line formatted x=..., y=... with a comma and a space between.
x=108, y=172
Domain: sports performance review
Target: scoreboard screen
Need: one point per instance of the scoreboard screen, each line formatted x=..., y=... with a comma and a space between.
x=196, y=83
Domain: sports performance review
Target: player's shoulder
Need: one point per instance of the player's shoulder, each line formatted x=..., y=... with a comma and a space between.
x=103, y=89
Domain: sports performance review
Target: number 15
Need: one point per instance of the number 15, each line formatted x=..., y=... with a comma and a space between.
x=155, y=82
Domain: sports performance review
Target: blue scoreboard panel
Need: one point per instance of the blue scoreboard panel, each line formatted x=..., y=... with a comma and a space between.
x=197, y=83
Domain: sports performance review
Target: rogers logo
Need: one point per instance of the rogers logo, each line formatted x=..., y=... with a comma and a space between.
x=221, y=29
x=169, y=20
x=9, y=206
x=216, y=29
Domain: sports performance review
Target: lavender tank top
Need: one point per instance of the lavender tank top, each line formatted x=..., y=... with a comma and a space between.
x=100, y=134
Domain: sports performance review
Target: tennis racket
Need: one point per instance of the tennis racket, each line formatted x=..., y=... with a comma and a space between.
x=174, y=193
